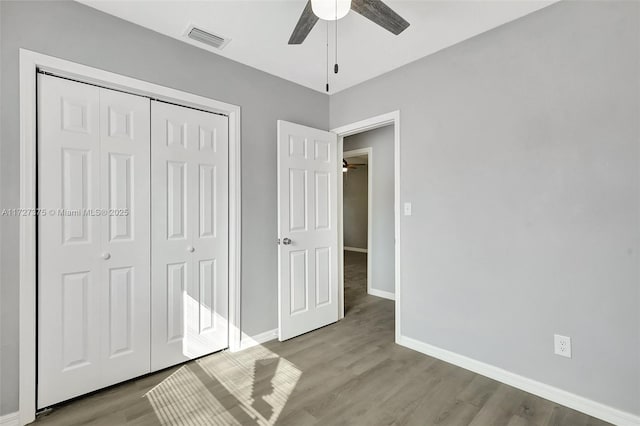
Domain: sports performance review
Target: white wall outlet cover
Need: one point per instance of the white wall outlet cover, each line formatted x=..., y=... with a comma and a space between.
x=407, y=209
x=562, y=345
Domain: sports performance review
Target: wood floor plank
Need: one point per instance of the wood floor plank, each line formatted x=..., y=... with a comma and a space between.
x=502, y=405
x=479, y=391
x=535, y=411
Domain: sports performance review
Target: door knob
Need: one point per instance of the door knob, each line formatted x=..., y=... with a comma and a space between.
x=106, y=256
x=286, y=241
x=191, y=249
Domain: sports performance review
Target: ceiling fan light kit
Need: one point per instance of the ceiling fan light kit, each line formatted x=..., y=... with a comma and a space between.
x=330, y=10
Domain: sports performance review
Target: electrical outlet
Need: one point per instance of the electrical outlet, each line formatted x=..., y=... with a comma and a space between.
x=562, y=345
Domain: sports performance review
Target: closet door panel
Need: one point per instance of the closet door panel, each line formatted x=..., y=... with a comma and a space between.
x=189, y=234
x=69, y=264
x=171, y=224
x=210, y=239
x=125, y=234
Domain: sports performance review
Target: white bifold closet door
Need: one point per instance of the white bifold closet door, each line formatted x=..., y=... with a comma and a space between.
x=93, y=267
x=189, y=167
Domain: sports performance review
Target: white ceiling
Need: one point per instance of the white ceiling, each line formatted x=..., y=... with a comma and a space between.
x=260, y=30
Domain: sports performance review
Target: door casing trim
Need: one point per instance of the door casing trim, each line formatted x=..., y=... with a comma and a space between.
x=32, y=62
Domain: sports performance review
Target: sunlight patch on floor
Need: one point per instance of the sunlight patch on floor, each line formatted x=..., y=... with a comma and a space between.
x=246, y=388
x=183, y=399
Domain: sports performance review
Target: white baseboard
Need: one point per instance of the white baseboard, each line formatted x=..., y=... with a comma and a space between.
x=251, y=341
x=382, y=293
x=359, y=250
x=576, y=402
x=11, y=419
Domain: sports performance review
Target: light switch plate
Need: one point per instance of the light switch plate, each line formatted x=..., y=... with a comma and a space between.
x=407, y=209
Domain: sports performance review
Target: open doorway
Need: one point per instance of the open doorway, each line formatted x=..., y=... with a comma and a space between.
x=343, y=132
x=356, y=218
x=368, y=215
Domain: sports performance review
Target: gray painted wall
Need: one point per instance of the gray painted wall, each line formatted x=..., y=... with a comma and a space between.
x=382, y=256
x=78, y=33
x=521, y=155
x=355, y=207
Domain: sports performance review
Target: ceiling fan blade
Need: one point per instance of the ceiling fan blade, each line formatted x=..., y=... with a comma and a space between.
x=381, y=14
x=305, y=24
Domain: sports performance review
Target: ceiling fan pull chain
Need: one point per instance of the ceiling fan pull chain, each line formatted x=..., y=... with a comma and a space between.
x=335, y=67
x=327, y=67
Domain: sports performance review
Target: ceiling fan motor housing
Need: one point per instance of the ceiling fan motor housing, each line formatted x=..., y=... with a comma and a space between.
x=330, y=10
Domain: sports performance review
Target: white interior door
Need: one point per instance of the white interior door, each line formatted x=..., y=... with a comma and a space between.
x=190, y=233
x=307, y=229
x=93, y=266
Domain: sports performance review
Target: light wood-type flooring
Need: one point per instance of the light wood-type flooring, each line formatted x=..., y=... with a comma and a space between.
x=348, y=373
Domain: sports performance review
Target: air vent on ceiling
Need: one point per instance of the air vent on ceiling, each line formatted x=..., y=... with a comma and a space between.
x=206, y=37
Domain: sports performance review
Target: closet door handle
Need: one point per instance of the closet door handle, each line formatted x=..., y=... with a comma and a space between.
x=191, y=249
x=106, y=255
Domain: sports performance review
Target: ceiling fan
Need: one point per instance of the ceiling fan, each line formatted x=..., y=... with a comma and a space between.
x=347, y=166
x=332, y=10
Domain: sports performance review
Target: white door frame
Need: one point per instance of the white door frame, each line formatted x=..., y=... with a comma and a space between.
x=355, y=153
x=30, y=63
x=348, y=130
